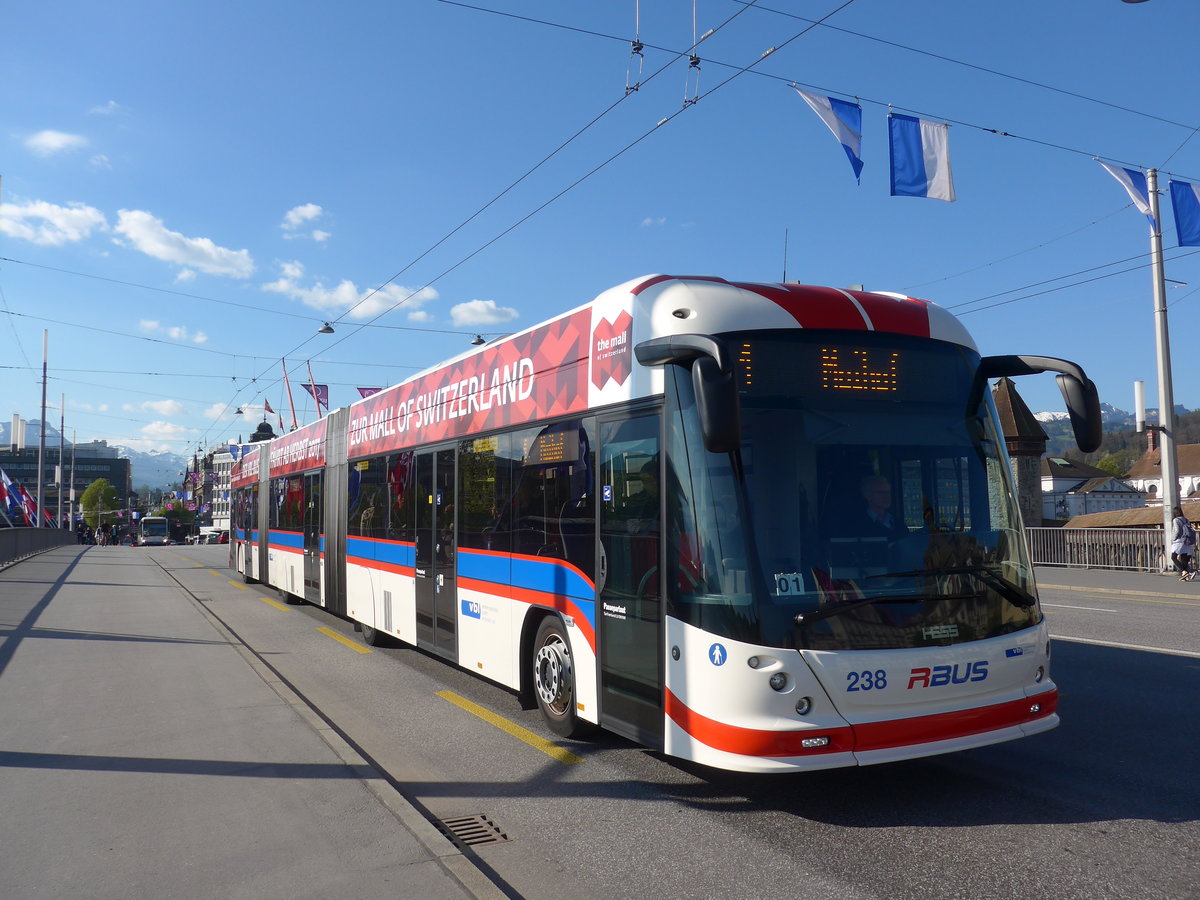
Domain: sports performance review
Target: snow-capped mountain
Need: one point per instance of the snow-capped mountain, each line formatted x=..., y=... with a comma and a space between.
x=153, y=468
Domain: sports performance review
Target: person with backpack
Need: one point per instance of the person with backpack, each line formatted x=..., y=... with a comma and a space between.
x=1183, y=544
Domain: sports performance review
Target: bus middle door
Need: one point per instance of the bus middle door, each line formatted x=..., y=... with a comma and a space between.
x=314, y=535
x=436, y=552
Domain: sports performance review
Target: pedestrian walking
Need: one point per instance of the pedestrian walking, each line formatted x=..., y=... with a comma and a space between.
x=1183, y=544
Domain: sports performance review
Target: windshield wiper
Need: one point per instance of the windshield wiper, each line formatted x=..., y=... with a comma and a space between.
x=1018, y=597
x=804, y=618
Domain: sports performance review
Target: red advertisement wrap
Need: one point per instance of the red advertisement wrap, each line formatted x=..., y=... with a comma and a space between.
x=531, y=376
x=245, y=470
x=301, y=450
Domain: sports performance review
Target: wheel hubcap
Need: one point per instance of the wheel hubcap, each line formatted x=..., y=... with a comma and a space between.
x=552, y=671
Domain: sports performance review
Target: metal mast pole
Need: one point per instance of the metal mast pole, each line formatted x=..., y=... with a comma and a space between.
x=41, y=482
x=62, y=463
x=74, y=441
x=1166, y=395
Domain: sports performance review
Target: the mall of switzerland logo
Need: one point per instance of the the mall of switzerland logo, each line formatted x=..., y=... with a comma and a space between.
x=611, y=356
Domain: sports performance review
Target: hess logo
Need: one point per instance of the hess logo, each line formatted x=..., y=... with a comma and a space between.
x=959, y=673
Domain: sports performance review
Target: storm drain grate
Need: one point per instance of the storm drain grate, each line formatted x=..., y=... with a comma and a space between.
x=474, y=831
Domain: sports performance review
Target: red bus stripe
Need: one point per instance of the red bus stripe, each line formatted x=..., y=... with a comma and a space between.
x=865, y=737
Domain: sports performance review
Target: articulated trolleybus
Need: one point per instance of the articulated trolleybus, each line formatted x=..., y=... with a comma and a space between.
x=764, y=527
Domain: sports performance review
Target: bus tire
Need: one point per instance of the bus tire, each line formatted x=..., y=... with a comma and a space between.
x=554, y=680
x=374, y=637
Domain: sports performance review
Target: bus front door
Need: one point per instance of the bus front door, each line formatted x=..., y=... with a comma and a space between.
x=630, y=609
x=314, y=534
x=437, y=595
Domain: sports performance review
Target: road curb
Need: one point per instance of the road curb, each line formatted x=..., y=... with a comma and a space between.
x=468, y=876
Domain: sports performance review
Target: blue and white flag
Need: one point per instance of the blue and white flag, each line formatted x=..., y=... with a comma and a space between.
x=844, y=120
x=1134, y=183
x=1185, y=200
x=920, y=155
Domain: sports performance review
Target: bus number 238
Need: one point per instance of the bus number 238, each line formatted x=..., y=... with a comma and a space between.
x=866, y=680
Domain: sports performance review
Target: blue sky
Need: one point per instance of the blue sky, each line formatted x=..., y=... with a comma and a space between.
x=191, y=189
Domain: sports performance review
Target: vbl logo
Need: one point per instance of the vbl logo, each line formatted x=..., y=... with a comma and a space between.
x=471, y=609
x=959, y=673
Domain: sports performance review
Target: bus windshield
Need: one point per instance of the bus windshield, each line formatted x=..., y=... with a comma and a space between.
x=154, y=527
x=874, y=507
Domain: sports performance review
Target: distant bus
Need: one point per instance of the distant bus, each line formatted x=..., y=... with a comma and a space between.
x=153, y=531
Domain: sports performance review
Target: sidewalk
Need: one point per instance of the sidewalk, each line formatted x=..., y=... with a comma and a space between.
x=145, y=753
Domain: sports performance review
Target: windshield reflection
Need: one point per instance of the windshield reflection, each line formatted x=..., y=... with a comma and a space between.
x=899, y=496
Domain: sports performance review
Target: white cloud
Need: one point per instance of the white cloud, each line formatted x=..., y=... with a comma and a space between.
x=649, y=222
x=174, y=332
x=164, y=407
x=49, y=142
x=220, y=411
x=298, y=215
x=346, y=295
x=166, y=431
x=107, y=109
x=148, y=235
x=100, y=162
x=481, y=312
x=49, y=224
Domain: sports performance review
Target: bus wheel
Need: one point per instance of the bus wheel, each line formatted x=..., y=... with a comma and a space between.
x=554, y=680
x=291, y=599
x=374, y=637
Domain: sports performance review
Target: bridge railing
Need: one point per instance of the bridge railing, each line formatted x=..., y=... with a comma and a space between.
x=17, y=543
x=1138, y=549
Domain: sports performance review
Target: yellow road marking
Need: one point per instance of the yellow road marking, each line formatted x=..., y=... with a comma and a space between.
x=341, y=639
x=521, y=734
x=240, y=587
x=273, y=603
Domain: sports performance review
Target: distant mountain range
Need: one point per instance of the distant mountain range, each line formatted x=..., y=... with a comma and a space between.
x=153, y=468
x=1057, y=426
x=1114, y=419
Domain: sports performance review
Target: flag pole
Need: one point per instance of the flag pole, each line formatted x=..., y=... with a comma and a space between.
x=41, y=480
x=288, y=385
x=313, y=385
x=1166, y=394
x=62, y=469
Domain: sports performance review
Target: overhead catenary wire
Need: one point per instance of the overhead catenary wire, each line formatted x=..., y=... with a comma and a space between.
x=512, y=227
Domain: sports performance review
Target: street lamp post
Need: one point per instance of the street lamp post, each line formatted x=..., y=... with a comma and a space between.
x=1166, y=395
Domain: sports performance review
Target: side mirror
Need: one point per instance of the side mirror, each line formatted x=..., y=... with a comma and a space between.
x=717, y=406
x=1078, y=391
x=712, y=378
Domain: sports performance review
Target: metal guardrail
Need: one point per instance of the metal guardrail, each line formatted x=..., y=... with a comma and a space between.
x=17, y=543
x=1138, y=549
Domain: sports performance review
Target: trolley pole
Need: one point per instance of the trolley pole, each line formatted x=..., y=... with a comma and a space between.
x=1166, y=394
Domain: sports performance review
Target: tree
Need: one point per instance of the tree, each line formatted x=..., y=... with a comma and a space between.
x=98, y=501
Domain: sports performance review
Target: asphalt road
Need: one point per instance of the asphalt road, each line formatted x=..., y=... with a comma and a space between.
x=1104, y=806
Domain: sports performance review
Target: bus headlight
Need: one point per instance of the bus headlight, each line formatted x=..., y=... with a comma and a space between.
x=804, y=706
x=778, y=681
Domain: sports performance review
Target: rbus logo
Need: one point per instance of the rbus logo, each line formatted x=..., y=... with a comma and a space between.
x=959, y=673
x=612, y=357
